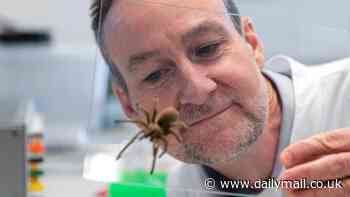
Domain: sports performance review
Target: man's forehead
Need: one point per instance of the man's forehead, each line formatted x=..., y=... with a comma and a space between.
x=134, y=8
x=135, y=26
x=144, y=15
x=190, y=4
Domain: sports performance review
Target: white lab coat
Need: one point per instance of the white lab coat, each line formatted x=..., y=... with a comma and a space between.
x=322, y=104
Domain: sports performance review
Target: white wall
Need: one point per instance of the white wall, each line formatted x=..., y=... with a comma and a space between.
x=68, y=19
x=59, y=77
x=61, y=82
x=311, y=31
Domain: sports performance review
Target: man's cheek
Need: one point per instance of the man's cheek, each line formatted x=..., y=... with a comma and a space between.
x=177, y=151
x=236, y=76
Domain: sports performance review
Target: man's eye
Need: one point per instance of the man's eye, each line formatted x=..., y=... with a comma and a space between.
x=207, y=51
x=154, y=77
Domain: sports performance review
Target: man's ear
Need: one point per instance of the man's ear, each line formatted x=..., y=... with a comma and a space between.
x=253, y=40
x=124, y=100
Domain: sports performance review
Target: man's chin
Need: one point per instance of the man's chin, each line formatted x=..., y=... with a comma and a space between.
x=211, y=143
x=211, y=157
x=216, y=149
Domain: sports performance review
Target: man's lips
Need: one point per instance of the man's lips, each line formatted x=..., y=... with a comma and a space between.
x=211, y=115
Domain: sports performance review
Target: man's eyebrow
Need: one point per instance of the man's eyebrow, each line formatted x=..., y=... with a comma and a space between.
x=202, y=29
x=140, y=58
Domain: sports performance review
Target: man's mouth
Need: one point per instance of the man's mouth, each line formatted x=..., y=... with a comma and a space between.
x=210, y=116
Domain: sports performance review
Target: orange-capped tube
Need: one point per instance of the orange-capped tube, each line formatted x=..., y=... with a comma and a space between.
x=36, y=148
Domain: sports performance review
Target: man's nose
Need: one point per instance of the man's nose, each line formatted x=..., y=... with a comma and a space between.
x=197, y=85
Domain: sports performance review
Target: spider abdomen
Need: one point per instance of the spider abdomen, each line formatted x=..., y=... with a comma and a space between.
x=167, y=117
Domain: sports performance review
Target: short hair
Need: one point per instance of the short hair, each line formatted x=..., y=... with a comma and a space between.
x=99, y=10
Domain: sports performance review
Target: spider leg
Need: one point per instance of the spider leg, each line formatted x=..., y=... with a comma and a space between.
x=144, y=112
x=177, y=137
x=179, y=124
x=154, y=115
x=155, y=152
x=128, y=144
x=132, y=121
x=165, y=146
x=146, y=135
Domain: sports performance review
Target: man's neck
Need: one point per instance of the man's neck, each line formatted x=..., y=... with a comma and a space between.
x=258, y=161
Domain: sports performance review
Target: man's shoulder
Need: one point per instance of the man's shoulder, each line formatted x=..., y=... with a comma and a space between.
x=328, y=77
x=333, y=68
x=331, y=78
x=311, y=78
x=322, y=98
x=289, y=66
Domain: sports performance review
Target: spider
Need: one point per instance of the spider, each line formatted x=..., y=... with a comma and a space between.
x=156, y=127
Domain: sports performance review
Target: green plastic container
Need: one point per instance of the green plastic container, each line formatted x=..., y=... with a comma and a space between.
x=139, y=183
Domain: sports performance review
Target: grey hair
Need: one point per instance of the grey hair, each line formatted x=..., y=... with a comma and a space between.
x=98, y=12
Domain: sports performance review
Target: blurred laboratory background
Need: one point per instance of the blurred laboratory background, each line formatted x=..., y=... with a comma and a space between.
x=53, y=79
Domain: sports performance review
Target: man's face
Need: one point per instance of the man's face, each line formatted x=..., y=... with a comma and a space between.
x=194, y=60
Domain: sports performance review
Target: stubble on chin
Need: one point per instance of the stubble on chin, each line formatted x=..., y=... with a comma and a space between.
x=199, y=154
x=251, y=128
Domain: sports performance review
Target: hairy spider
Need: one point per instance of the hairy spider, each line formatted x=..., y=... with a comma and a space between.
x=156, y=127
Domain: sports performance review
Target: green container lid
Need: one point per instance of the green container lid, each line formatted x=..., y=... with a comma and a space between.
x=139, y=183
x=36, y=173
